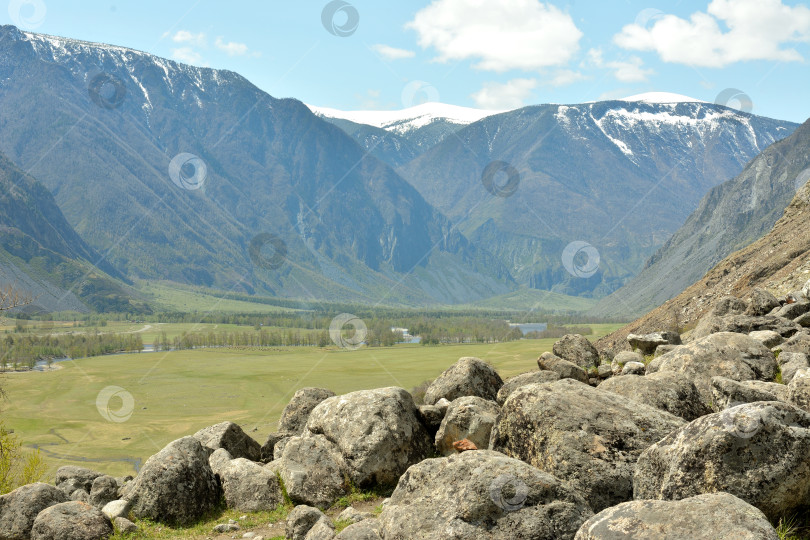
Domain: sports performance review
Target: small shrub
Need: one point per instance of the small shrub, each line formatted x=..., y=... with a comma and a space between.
x=17, y=467
x=418, y=392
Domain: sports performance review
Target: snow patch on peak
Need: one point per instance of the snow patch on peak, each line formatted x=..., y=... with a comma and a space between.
x=662, y=97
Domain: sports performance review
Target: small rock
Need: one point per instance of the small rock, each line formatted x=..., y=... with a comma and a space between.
x=634, y=368
x=124, y=525
x=468, y=417
x=728, y=393
x=226, y=527
x=622, y=358
x=115, y=509
x=760, y=302
x=769, y=338
x=464, y=445
x=301, y=519
x=354, y=516
x=563, y=368
x=648, y=343
x=578, y=350
x=322, y=530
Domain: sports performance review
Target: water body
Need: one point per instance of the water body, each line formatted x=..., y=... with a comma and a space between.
x=530, y=327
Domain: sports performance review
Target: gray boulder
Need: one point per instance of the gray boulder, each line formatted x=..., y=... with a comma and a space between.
x=295, y=415
x=799, y=389
x=249, y=487
x=351, y=515
x=322, y=530
x=116, y=509
x=175, y=486
x=300, y=520
x=794, y=310
x=469, y=418
x=634, y=368
x=769, y=338
x=431, y=417
x=622, y=358
x=378, y=433
x=104, y=490
x=229, y=436
x=71, y=521
x=588, y=436
x=481, y=494
x=80, y=495
x=799, y=343
x=70, y=478
x=269, y=446
x=363, y=530
x=760, y=302
x=728, y=393
x=220, y=459
x=759, y=452
x=790, y=363
x=124, y=525
x=565, y=369
x=468, y=377
x=577, y=350
x=664, y=390
x=803, y=320
x=727, y=354
x=19, y=509
x=729, y=305
x=312, y=470
x=532, y=377
x=703, y=517
x=648, y=343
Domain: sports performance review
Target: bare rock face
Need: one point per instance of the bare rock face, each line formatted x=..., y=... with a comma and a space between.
x=71, y=521
x=759, y=452
x=229, y=436
x=176, y=485
x=563, y=368
x=19, y=509
x=727, y=354
x=588, y=436
x=468, y=418
x=664, y=390
x=295, y=415
x=468, y=377
x=481, y=494
x=703, y=517
x=377, y=432
x=648, y=343
x=542, y=376
x=578, y=350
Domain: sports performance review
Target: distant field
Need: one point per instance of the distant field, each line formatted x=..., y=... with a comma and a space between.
x=172, y=297
x=177, y=393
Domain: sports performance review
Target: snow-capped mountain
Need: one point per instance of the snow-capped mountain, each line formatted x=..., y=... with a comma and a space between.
x=662, y=97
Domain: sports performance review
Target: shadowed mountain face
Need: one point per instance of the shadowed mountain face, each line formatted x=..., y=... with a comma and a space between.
x=41, y=253
x=777, y=261
x=730, y=217
x=601, y=186
x=195, y=175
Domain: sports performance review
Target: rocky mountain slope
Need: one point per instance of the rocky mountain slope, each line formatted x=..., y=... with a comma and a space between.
x=619, y=176
x=42, y=254
x=197, y=176
x=731, y=216
x=778, y=262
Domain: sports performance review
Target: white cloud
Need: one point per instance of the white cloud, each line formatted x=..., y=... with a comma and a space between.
x=187, y=55
x=503, y=35
x=501, y=96
x=629, y=70
x=564, y=77
x=757, y=30
x=232, y=48
x=184, y=36
x=392, y=53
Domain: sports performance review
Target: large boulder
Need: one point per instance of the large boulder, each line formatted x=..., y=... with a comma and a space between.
x=577, y=350
x=104, y=490
x=790, y=363
x=703, y=517
x=469, y=376
x=759, y=452
x=71, y=521
x=176, y=485
x=295, y=415
x=665, y=390
x=378, y=433
x=322, y=530
x=648, y=343
x=19, y=509
x=469, y=418
x=312, y=470
x=760, y=302
x=728, y=393
x=588, y=436
x=70, y=478
x=799, y=389
x=563, y=368
x=745, y=324
x=229, y=436
x=727, y=354
x=364, y=530
x=799, y=343
x=769, y=338
x=532, y=377
x=431, y=417
x=249, y=487
x=481, y=494
x=300, y=520
x=269, y=446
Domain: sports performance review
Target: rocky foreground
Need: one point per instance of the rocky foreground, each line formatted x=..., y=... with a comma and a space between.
x=701, y=439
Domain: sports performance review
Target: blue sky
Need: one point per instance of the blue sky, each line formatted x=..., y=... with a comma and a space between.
x=480, y=53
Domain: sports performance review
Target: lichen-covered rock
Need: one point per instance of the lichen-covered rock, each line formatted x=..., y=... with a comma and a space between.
x=703, y=517
x=431, y=417
x=249, y=487
x=759, y=452
x=19, y=509
x=104, y=490
x=220, y=459
x=799, y=343
x=622, y=358
x=300, y=520
x=532, y=377
x=744, y=324
x=295, y=415
x=312, y=470
x=229, y=436
x=664, y=390
x=634, y=368
x=481, y=494
x=116, y=509
x=727, y=354
x=176, y=485
x=469, y=376
x=71, y=521
x=70, y=478
x=469, y=418
x=648, y=343
x=760, y=302
x=769, y=338
x=799, y=389
x=322, y=530
x=364, y=530
x=588, y=436
x=728, y=393
x=790, y=363
x=377, y=432
x=578, y=350
x=565, y=369
x=269, y=446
